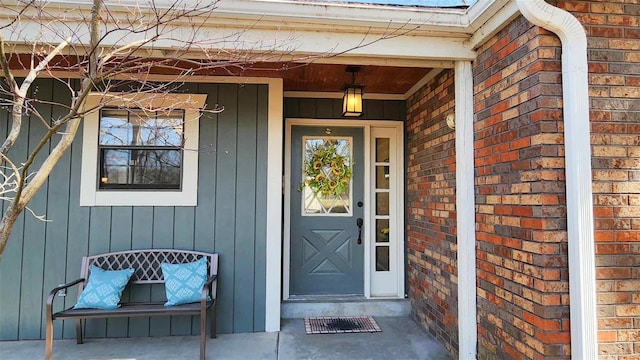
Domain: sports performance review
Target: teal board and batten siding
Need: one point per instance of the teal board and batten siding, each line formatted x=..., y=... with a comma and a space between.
x=311, y=108
x=229, y=220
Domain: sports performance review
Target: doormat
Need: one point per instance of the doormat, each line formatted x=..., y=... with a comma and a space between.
x=339, y=325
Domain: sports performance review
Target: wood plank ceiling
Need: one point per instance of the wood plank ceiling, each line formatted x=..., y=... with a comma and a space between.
x=311, y=77
x=329, y=77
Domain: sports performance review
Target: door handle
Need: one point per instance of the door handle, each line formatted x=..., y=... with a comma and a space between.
x=359, y=223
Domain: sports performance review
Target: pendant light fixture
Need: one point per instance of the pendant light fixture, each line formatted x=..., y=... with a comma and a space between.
x=352, y=98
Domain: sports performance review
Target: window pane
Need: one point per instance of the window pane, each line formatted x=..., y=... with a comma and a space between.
x=114, y=128
x=134, y=168
x=382, y=230
x=163, y=129
x=382, y=203
x=141, y=128
x=382, y=150
x=382, y=258
x=382, y=177
x=325, y=204
x=326, y=174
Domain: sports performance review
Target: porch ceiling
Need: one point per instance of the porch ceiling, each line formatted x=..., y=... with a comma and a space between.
x=315, y=77
x=331, y=78
x=310, y=77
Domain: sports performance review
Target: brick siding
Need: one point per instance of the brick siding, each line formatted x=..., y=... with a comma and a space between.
x=431, y=249
x=523, y=300
x=529, y=58
x=521, y=234
x=613, y=30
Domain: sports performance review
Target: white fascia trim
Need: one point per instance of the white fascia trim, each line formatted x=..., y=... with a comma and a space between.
x=465, y=212
x=580, y=227
x=285, y=16
x=361, y=15
x=157, y=77
x=186, y=196
x=482, y=11
x=499, y=20
x=389, y=17
x=381, y=61
x=305, y=45
x=274, y=206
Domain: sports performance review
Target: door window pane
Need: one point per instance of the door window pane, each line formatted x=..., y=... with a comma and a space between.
x=382, y=150
x=382, y=230
x=382, y=258
x=382, y=177
x=382, y=203
x=326, y=175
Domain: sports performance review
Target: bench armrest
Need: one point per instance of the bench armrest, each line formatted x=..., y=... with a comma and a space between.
x=206, y=289
x=54, y=292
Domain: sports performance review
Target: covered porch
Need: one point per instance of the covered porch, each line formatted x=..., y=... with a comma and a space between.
x=400, y=339
x=458, y=98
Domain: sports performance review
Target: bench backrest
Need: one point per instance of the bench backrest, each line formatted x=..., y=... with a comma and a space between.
x=146, y=263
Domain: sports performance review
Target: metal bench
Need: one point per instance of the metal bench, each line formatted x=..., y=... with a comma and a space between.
x=147, y=271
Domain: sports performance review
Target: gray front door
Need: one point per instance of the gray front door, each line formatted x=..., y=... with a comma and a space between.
x=327, y=180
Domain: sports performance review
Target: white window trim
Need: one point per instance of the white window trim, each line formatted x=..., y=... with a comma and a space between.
x=187, y=196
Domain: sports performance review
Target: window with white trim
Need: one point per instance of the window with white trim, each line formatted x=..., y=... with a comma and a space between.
x=141, y=156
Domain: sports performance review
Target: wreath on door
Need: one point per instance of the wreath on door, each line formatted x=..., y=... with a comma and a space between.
x=325, y=171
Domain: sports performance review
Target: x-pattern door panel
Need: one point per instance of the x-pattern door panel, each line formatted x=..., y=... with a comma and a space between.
x=326, y=251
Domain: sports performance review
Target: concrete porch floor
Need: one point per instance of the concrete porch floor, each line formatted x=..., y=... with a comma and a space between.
x=400, y=339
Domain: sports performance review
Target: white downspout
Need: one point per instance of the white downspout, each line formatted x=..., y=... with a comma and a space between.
x=575, y=87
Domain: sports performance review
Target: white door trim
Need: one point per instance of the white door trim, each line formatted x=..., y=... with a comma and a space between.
x=366, y=126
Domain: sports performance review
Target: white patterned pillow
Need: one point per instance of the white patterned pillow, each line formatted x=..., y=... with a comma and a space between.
x=103, y=289
x=183, y=283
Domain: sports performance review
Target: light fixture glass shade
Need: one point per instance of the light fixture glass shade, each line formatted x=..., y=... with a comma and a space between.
x=352, y=101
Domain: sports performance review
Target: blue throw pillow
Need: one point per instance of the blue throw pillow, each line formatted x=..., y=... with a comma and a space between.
x=103, y=289
x=183, y=282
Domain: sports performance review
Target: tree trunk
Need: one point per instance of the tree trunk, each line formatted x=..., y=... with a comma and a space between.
x=9, y=218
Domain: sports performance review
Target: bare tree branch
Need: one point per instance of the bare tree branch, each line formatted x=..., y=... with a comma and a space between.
x=114, y=51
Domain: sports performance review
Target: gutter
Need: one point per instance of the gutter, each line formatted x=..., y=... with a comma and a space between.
x=328, y=16
x=575, y=85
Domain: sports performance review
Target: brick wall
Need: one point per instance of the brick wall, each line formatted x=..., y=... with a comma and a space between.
x=431, y=251
x=613, y=30
x=522, y=269
x=521, y=234
x=523, y=301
